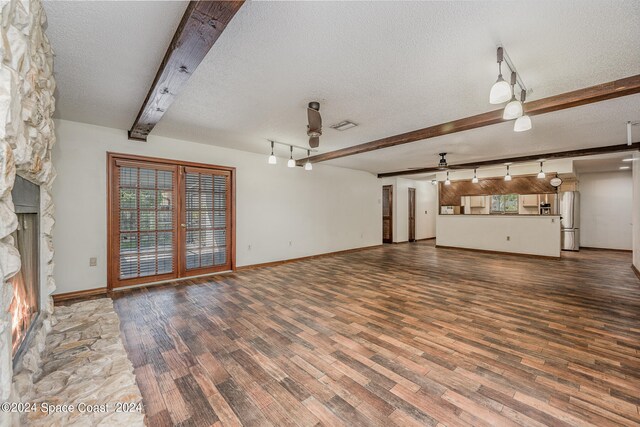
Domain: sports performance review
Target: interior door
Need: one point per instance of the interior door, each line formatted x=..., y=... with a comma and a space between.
x=205, y=228
x=387, y=214
x=412, y=214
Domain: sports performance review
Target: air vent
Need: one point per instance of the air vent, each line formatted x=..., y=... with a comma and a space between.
x=343, y=125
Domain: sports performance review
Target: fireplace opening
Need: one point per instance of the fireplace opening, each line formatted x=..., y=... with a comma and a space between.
x=25, y=306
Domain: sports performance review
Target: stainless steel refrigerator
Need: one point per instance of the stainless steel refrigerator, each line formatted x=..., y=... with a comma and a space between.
x=570, y=220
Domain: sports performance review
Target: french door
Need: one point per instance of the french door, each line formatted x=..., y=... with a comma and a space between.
x=168, y=220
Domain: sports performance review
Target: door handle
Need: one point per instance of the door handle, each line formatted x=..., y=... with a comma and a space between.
x=183, y=225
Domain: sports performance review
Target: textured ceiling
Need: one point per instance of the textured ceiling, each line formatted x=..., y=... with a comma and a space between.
x=106, y=56
x=391, y=67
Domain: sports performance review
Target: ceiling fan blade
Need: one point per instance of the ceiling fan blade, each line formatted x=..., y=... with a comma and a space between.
x=314, y=142
x=315, y=121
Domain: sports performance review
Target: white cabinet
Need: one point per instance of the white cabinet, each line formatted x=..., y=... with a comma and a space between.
x=477, y=201
x=530, y=200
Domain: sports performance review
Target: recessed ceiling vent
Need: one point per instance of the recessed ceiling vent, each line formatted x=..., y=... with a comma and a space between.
x=344, y=125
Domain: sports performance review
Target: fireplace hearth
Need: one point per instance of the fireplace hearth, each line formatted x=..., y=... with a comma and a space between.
x=25, y=305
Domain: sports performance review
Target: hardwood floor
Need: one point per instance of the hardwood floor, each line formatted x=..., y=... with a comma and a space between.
x=397, y=335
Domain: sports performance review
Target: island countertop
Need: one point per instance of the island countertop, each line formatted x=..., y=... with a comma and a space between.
x=522, y=234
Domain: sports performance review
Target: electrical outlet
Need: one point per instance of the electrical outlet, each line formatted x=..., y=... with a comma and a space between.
x=553, y=220
x=93, y=261
x=508, y=238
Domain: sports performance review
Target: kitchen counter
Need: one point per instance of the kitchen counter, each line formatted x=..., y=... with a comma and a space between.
x=521, y=234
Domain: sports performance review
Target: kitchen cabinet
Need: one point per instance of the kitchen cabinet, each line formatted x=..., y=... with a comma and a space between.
x=530, y=200
x=477, y=201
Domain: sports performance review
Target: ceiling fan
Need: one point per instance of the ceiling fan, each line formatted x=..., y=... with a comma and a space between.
x=314, y=128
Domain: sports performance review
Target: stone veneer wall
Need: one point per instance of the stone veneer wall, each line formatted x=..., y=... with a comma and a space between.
x=26, y=138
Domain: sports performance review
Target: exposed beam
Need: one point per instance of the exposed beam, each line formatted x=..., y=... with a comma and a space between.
x=200, y=27
x=601, y=92
x=522, y=159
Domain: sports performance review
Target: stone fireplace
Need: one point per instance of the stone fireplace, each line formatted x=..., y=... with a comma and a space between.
x=25, y=307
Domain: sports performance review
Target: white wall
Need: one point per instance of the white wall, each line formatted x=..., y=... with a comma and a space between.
x=535, y=235
x=636, y=210
x=606, y=205
x=324, y=210
x=426, y=208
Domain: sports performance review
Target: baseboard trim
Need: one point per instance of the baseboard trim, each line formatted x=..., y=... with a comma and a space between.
x=79, y=295
x=500, y=252
x=591, y=248
x=305, y=258
x=635, y=270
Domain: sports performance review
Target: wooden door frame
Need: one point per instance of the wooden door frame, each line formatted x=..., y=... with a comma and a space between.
x=390, y=187
x=415, y=207
x=112, y=226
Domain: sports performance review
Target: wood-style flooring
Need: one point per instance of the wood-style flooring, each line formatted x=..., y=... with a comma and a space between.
x=397, y=335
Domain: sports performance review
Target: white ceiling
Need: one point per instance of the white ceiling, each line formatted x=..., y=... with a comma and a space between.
x=391, y=67
x=604, y=163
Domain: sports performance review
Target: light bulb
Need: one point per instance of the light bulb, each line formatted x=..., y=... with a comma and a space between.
x=272, y=160
x=522, y=123
x=500, y=91
x=291, y=163
x=507, y=177
x=513, y=110
x=475, y=180
x=541, y=175
x=447, y=182
x=308, y=166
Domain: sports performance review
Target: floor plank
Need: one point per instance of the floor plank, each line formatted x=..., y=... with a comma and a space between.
x=400, y=335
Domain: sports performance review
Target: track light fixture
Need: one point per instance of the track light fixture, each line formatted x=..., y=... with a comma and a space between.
x=523, y=122
x=507, y=177
x=500, y=91
x=291, y=163
x=272, y=157
x=308, y=166
x=447, y=182
x=541, y=174
x=475, y=176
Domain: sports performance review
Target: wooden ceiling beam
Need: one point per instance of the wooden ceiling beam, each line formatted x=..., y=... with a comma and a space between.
x=522, y=159
x=589, y=95
x=200, y=27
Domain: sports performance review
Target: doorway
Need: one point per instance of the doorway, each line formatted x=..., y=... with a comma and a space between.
x=412, y=214
x=168, y=220
x=387, y=214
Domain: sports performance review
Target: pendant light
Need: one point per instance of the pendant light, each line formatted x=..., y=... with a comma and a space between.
x=272, y=158
x=541, y=174
x=500, y=91
x=522, y=123
x=507, y=177
x=475, y=176
x=447, y=182
x=513, y=110
x=291, y=163
x=308, y=166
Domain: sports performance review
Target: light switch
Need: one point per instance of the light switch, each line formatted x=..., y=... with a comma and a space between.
x=93, y=261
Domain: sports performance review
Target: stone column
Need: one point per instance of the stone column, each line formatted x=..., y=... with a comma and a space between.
x=26, y=138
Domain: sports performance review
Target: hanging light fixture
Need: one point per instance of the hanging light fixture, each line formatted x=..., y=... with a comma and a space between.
x=272, y=157
x=541, y=174
x=500, y=91
x=447, y=182
x=523, y=122
x=513, y=110
x=291, y=163
x=475, y=176
x=507, y=177
x=308, y=166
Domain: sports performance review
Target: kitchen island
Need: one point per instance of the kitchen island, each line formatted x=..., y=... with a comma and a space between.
x=520, y=234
